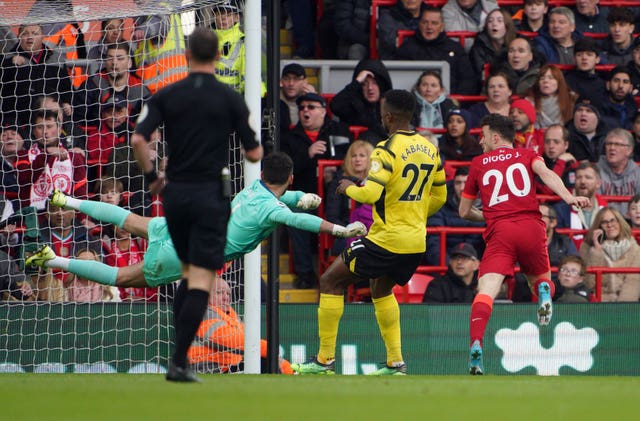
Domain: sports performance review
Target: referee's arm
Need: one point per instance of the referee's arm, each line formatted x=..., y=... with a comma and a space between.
x=141, y=152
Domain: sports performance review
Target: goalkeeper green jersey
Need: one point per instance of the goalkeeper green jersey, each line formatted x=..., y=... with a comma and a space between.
x=256, y=212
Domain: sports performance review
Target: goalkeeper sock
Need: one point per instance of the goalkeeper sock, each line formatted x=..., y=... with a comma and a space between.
x=388, y=317
x=189, y=319
x=330, y=312
x=104, y=212
x=90, y=269
x=480, y=315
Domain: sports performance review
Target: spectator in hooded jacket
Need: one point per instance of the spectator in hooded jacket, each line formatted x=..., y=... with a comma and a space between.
x=430, y=42
x=358, y=104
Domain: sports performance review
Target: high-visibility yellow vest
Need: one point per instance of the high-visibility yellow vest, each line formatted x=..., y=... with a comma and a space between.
x=161, y=65
x=230, y=67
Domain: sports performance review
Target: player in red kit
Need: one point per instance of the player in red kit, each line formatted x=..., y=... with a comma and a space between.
x=503, y=177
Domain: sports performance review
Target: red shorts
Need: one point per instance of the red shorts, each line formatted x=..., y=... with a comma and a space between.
x=508, y=242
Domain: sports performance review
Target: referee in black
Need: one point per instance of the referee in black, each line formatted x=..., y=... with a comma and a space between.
x=199, y=113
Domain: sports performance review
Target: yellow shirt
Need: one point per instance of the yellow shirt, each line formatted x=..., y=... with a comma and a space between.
x=406, y=184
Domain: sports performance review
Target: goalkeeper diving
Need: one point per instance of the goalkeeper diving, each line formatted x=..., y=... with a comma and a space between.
x=255, y=212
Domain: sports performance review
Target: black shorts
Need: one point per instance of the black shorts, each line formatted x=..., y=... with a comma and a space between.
x=197, y=217
x=369, y=261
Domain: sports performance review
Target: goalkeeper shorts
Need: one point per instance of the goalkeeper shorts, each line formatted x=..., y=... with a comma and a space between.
x=161, y=263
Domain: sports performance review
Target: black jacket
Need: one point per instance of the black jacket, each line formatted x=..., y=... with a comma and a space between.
x=450, y=288
x=351, y=21
x=618, y=115
x=463, y=78
x=482, y=53
x=587, y=85
x=581, y=147
x=350, y=106
x=296, y=144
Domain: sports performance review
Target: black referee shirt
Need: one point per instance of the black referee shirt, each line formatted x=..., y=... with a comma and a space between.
x=199, y=114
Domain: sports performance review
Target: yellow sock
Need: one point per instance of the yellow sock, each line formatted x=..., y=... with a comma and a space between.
x=388, y=316
x=329, y=314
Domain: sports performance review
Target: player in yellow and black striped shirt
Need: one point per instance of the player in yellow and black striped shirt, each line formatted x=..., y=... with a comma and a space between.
x=405, y=185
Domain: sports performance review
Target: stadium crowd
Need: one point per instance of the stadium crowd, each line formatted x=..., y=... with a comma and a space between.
x=568, y=78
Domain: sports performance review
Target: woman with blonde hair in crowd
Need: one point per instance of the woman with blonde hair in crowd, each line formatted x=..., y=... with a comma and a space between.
x=432, y=103
x=552, y=98
x=337, y=207
x=609, y=242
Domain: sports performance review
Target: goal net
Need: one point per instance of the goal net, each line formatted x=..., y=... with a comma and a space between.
x=75, y=75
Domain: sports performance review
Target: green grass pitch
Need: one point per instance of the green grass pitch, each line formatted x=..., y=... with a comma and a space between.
x=270, y=397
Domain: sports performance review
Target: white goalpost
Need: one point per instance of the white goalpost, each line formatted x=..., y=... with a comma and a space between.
x=99, y=62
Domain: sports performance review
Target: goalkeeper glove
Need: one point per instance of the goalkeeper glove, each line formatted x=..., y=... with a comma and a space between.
x=309, y=201
x=354, y=229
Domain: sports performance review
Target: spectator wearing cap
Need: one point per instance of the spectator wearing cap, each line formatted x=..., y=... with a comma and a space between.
x=115, y=79
x=634, y=66
x=618, y=46
x=293, y=84
x=584, y=80
x=430, y=42
x=460, y=282
x=314, y=137
x=523, y=115
x=591, y=17
x=557, y=43
x=358, y=103
x=618, y=108
x=448, y=216
x=115, y=129
x=457, y=144
x=586, y=132
x=11, y=144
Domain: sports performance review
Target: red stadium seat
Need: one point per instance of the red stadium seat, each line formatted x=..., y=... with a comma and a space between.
x=413, y=291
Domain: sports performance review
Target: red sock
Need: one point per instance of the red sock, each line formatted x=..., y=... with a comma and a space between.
x=480, y=314
x=552, y=287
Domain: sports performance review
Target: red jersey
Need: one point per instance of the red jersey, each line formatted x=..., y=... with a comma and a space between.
x=504, y=178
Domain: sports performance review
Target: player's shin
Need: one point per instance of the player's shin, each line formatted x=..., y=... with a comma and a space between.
x=330, y=312
x=388, y=317
x=480, y=314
